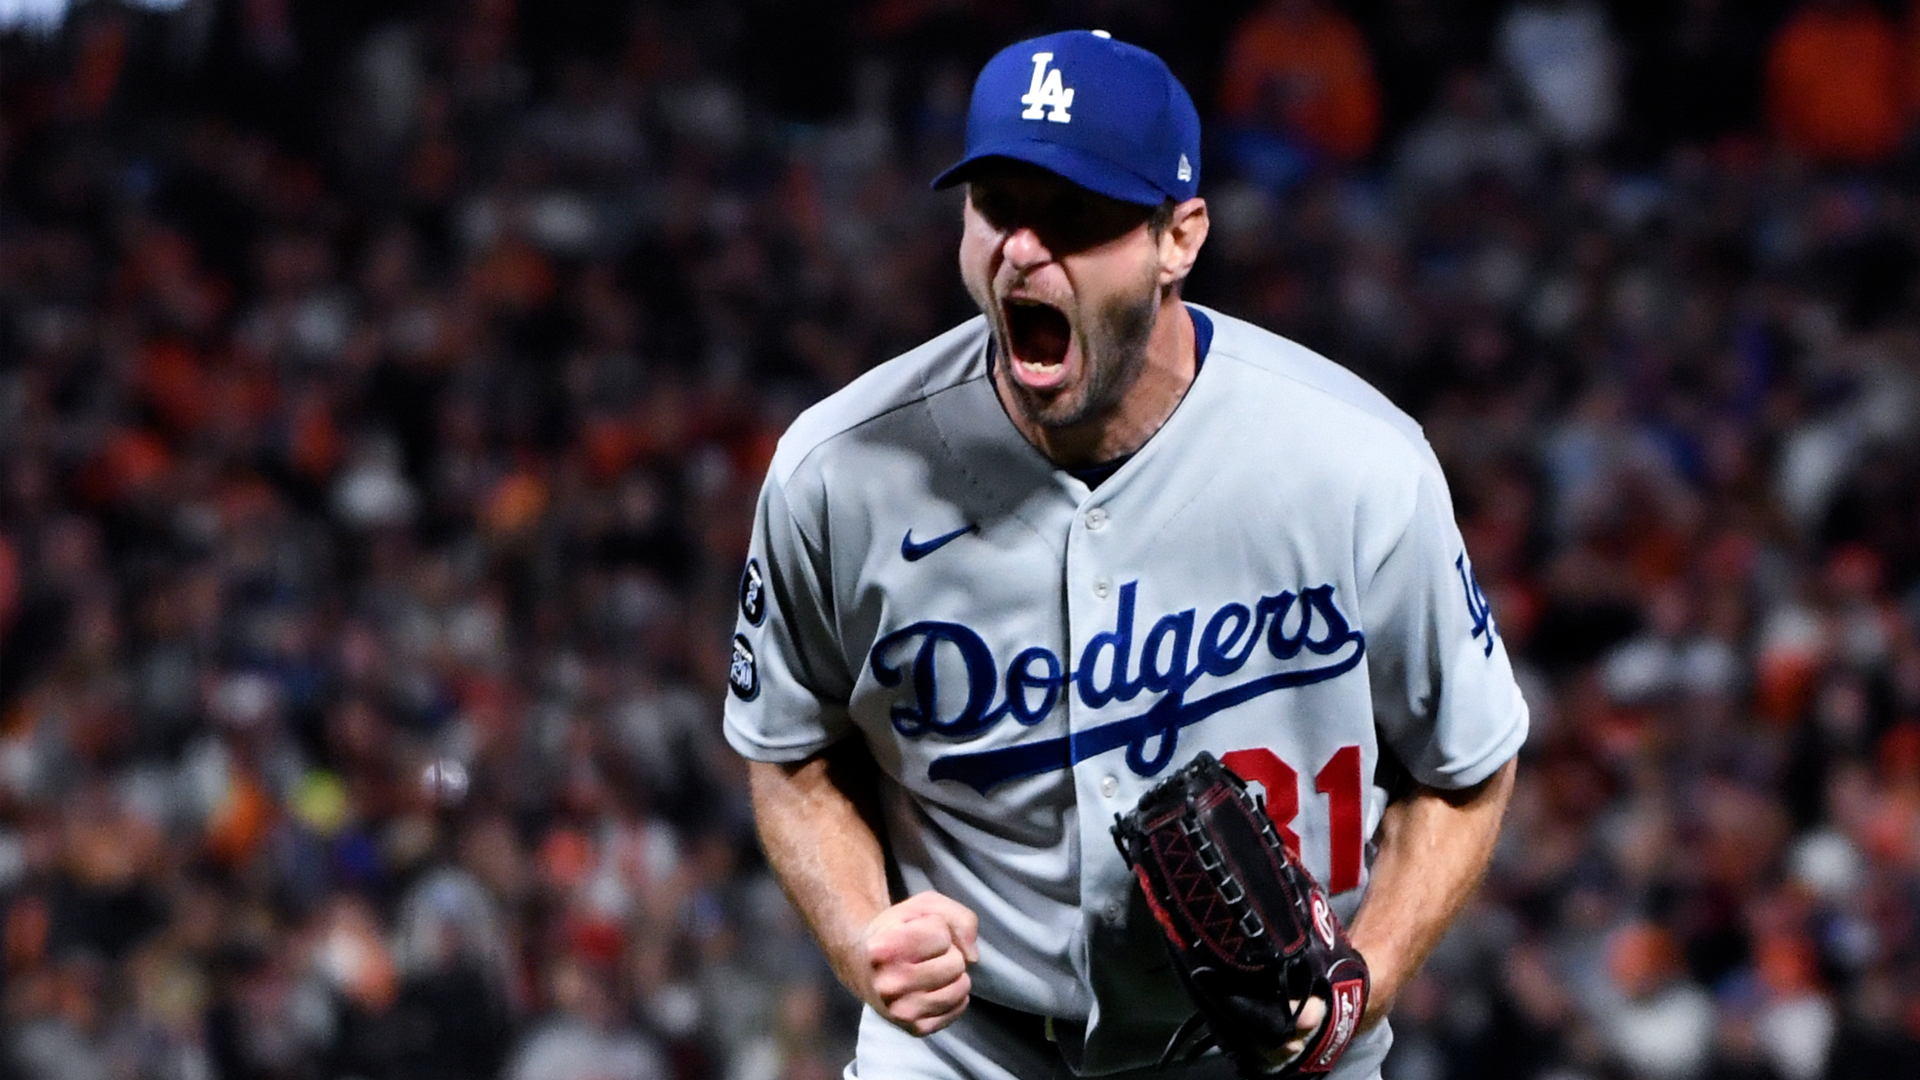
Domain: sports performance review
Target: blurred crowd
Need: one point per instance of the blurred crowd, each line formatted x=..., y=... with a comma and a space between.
x=384, y=389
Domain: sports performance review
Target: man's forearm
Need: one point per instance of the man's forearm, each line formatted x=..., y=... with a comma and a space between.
x=907, y=960
x=1434, y=849
x=824, y=851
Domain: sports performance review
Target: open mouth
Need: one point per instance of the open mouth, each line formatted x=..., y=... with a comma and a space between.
x=1039, y=336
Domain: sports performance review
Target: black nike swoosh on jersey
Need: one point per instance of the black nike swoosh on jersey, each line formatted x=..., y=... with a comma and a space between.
x=913, y=551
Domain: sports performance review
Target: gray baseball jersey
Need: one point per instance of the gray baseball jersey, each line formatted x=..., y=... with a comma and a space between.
x=1275, y=576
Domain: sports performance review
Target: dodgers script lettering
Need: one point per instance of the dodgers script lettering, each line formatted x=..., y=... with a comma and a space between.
x=1115, y=666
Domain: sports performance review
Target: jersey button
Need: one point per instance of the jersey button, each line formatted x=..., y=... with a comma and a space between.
x=1113, y=911
x=1096, y=519
x=1109, y=787
x=1102, y=587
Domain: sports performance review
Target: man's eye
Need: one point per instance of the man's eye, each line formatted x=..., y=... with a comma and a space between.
x=997, y=211
x=1072, y=210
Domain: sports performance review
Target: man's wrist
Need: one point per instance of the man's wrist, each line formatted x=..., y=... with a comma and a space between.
x=1384, y=979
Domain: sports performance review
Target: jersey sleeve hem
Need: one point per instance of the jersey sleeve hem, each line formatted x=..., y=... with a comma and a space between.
x=1467, y=774
x=774, y=753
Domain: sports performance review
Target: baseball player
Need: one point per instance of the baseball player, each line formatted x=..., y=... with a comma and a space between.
x=1001, y=583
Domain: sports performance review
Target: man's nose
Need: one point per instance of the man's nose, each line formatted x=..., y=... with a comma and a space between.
x=1024, y=249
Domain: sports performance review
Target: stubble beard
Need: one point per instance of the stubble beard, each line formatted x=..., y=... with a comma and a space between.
x=1113, y=353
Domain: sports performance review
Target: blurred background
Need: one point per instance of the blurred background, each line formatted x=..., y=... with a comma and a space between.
x=385, y=386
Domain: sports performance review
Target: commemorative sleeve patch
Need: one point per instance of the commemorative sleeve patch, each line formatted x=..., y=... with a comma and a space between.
x=743, y=673
x=753, y=594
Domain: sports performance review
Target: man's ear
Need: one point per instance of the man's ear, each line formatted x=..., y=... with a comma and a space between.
x=1180, y=241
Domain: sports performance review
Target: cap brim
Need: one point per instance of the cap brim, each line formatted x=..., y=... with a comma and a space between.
x=1075, y=166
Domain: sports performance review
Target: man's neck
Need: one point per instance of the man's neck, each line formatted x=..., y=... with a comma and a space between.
x=1163, y=383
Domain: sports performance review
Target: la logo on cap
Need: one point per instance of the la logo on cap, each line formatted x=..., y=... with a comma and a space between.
x=1136, y=139
x=1047, y=96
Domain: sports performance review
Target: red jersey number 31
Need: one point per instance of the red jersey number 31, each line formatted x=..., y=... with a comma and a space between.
x=1339, y=780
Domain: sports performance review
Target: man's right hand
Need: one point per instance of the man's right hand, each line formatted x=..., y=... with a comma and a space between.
x=914, y=956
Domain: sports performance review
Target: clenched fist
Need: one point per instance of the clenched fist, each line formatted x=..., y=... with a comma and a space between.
x=914, y=957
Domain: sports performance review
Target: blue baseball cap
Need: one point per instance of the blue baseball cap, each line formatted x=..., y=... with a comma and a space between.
x=1106, y=115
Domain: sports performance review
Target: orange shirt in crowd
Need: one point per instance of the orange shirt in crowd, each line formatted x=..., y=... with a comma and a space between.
x=1300, y=67
x=1910, y=62
x=1835, y=84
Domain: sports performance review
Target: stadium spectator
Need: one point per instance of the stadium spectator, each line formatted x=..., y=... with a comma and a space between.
x=1565, y=59
x=1658, y=1024
x=1834, y=91
x=1297, y=89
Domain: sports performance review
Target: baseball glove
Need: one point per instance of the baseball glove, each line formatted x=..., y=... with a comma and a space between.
x=1249, y=930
